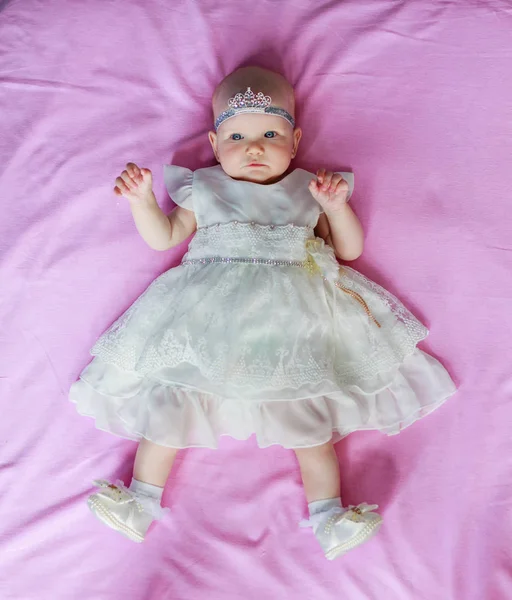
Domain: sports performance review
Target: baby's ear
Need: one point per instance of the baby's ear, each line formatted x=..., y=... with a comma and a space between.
x=297, y=135
x=212, y=136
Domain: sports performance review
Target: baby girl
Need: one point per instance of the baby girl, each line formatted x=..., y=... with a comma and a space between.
x=259, y=331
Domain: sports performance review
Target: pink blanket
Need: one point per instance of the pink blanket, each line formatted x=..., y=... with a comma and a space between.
x=414, y=97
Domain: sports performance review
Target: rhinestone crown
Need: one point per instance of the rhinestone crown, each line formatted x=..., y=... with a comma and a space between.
x=249, y=102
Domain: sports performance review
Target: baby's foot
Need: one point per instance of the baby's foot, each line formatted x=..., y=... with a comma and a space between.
x=338, y=530
x=121, y=509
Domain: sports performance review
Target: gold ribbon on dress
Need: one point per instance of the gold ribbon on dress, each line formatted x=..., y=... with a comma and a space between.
x=312, y=268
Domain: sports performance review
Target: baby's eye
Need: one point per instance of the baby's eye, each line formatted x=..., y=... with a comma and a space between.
x=235, y=136
x=270, y=134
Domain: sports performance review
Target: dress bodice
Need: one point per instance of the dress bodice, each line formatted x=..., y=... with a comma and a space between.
x=217, y=198
x=245, y=220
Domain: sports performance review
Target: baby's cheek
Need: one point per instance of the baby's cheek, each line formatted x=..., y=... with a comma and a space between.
x=226, y=155
x=232, y=152
x=286, y=153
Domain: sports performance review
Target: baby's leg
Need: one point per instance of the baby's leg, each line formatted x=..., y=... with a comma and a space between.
x=336, y=529
x=153, y=463
x=320, y=472
x=131, y=511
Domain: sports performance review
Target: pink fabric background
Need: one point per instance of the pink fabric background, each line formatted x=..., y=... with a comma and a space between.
x=414, y=97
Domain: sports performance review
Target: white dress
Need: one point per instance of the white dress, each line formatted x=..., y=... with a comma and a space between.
x=258, y=331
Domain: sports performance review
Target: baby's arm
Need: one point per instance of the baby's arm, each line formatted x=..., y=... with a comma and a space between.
x=158, y=230
x=338, y=225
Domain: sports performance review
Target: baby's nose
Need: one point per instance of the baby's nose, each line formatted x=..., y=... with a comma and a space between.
x=254, y=148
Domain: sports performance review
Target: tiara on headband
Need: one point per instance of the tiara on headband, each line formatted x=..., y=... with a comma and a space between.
x=252, y=103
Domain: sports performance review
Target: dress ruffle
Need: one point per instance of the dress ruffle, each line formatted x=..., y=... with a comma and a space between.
x=132, y=407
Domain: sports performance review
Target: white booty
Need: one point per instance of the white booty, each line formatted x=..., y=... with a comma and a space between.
x=338, y=530
x=121, y=509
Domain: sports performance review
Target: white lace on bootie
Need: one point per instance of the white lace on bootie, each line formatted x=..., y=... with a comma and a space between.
x=121, y=509
x=338, y=530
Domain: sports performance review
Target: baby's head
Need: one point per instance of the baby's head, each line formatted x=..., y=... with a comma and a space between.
x=255, y=146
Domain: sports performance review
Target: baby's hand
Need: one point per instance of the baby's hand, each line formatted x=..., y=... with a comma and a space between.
x=135, y=184
x=330, y=190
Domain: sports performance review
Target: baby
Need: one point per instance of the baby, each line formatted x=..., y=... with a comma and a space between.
x=258, y=331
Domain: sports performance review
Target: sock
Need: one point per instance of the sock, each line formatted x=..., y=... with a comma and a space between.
x=319, y=506
x=147, y=489
x=149, y=496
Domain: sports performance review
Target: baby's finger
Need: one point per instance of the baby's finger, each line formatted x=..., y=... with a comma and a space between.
x=320, y=174
x=341, y=188
x=327, y=180
x=336, y=178
x=132, y=168
x=117, y=191
x=122, y=186
x=129, y=181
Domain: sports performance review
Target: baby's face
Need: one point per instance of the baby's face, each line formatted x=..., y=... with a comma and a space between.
x=255, y=147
